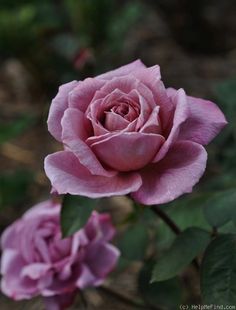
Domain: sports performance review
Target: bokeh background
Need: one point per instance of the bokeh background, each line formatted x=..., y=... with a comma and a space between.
x=44, y=43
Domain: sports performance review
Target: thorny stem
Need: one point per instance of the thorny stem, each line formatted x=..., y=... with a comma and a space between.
x=173, y=226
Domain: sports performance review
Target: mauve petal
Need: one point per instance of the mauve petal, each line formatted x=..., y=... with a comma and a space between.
x=59, y=302
x=145, y=109
x=87, y=278
x=102, y=258
x=73, y=133
x=175, y=175
x=180, y=116
x=126, y=85
x=57, y=109
x=205, y=120
x=43, y=210
x=115, y=121
x=108, y=102
x=148, y=75
x=35, y=271
x=124, y=70
x=152, y=125
x=12, y=284
x=67, y=175
x=151, y=77
x=26, y=242
x=99, y=226
x=9, y=238
x=42, y=248
x=83, y=93
x=128, y=151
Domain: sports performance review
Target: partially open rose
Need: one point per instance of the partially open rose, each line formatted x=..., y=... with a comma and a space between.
x=37, y=261
x=124, y=132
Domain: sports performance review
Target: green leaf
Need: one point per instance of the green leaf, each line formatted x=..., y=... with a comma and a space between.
x=166, y=294
x=220, y=208
x=218, y=271
x=185, y=212
x=133, y=242
x=75, y=212
x=184, y=249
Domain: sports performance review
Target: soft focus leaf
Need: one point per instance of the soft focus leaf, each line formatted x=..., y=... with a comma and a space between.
x=185, y=212
x=221, y=208
x=185, y=248
x=218, y=271
x=75, y=212
x=166, y=294
x=133, y=242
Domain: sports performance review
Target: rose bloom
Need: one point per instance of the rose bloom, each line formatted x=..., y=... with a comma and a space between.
x=37, y=261
x=124, y=132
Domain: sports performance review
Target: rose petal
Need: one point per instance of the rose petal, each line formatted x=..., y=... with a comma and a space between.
x=35, y=271
x=127, y=85
x=102, y=258
x=205, y=121
x=46, y=209
x=73, y=133
x=151, y=77
x=57, y=109
x=175, y=175
x=127, y=151
x=67, y=175
x=59, y=302
x=180, y=116
x=99, y=226
x=12, y=284
x=9, y=237
x=153, y=123
x=83, y=93
x=124, y=70
x=87, y=278
x=115, y=121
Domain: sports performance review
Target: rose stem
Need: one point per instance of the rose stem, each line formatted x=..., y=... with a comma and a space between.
x=172, y=225
x=166, y=219
x=124, y=298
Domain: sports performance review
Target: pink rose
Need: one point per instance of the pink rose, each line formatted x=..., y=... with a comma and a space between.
x=124, y=132
x=36, y=261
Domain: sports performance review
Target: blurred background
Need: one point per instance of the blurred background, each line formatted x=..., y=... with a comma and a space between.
x=44, y=43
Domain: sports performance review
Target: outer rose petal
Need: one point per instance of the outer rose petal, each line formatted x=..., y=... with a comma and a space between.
x=67, y=175
x=35, y=271
x=58, y=106
x=87, y=278
x=102, y=258
x=124, y=70
x=181, y=114
x=83, y=93
x=73, y=133
x=12, y=284
x=8, y=238
x=175, y=175
x=59, y=302
x=128, y=151
x=99, y=226
x=205, y=121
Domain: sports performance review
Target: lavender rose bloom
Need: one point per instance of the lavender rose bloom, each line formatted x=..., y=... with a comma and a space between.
x=124, y=132
x=36, y=261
